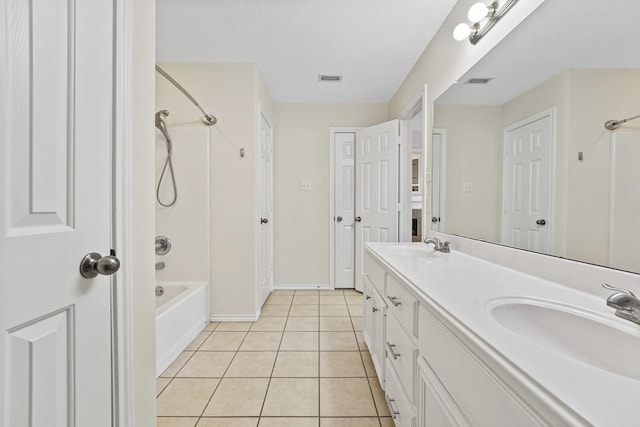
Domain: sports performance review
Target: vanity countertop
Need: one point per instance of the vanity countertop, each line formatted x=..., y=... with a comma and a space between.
x=474, y=291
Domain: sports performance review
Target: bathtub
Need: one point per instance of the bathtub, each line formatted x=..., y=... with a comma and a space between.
x=181, y=314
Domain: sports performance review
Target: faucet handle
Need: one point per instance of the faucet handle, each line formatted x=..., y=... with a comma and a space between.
x=613, y=288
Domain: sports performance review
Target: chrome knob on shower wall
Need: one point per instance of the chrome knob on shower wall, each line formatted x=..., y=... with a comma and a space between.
x=163, y=245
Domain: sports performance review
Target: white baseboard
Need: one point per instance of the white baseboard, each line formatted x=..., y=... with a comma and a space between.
x=234, y=318
x=303, y=287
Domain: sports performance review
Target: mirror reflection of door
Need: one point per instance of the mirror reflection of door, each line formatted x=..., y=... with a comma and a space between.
x=527, y=183
x=438, y=180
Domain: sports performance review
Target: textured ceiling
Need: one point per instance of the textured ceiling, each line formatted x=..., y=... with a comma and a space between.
x=558, y=35
x=372, y=43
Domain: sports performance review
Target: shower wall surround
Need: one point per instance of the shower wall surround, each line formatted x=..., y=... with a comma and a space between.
x=186, y=223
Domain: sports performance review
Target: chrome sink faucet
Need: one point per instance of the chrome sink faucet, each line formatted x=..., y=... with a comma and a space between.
x=625, y=302
x=439, y=245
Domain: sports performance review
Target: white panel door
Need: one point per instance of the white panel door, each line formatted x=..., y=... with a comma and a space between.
x=265, y=257
x=624, y=227
x=377, y=195
x=344, y=209
x=56, y=101
x=527, y=185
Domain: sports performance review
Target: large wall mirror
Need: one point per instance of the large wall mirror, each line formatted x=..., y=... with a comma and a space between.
x=520, y=145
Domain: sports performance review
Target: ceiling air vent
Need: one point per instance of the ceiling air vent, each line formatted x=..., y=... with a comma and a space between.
x=329, y=78
x=478, y=80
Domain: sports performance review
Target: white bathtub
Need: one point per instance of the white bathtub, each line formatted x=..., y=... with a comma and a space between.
x=181, y=313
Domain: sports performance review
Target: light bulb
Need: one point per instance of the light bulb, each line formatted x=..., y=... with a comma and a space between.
x=461, y=32
x=478, y=12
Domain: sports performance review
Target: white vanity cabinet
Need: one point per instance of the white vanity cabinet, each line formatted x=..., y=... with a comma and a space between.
x=430, y=377
x=375, y=313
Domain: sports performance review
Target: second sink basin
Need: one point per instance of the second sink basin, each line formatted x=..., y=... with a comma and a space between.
x=579, y=334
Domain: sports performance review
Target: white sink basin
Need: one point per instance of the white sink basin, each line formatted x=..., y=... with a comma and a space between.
x=589, y=337
x=426, y=253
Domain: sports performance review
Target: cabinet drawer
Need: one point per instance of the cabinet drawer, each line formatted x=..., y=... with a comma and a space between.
x=374, y=272
x=484, y=399
x=402, y=304
x=399, y=405
x=401, y=354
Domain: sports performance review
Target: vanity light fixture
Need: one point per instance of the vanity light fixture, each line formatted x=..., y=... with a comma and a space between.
x=483, y=18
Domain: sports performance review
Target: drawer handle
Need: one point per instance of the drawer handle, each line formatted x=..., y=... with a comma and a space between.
x=393, y=353
x=394, y=300
x=367, y=297
x=390, y=404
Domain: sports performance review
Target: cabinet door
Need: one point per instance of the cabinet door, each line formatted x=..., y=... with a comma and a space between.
x=379, y=330
x=368, y=330
x=435, y=406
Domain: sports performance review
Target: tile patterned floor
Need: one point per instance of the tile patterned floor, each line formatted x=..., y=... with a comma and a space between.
x=303, y=363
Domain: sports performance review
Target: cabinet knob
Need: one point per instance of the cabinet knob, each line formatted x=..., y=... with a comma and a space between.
x=367, y=297
x=374, y=309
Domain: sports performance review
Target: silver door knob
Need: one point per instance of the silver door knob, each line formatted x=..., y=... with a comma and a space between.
x=339, y=218
x=264, y=220
x=541, y=222
x=93, y=264
x=358, y=219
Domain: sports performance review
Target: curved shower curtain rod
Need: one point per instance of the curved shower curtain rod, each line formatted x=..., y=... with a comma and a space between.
x=615, y=124
x=208, y=119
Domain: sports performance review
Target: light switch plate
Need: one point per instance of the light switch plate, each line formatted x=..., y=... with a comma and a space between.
x=467, y=187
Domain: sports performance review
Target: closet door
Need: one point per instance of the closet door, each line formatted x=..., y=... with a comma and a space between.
x=377, y=197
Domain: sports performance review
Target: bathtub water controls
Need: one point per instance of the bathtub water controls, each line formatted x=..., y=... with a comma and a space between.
x=163, y=245
x=159, y=291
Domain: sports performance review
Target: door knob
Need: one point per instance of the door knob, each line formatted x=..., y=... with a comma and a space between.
x=435, y=219
x=264, y=220
x=358, y=219
x=93, y=264
x=541, y=222
x=339, y=218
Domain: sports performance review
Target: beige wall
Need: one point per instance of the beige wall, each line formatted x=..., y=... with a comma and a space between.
x=301, y=218
x=231, y=93
x=141, y=269
x=474, y=147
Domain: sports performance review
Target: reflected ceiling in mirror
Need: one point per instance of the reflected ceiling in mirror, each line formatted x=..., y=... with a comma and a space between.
x=527, y=161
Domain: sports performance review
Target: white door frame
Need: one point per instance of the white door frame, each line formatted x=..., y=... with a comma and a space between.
x=262, y=114
x=552, y=114
x=419, y=101
x=123, y=145
x=332, y=182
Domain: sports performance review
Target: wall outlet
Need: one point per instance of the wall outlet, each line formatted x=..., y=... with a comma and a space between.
x=305, y=185
x=467, y=187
